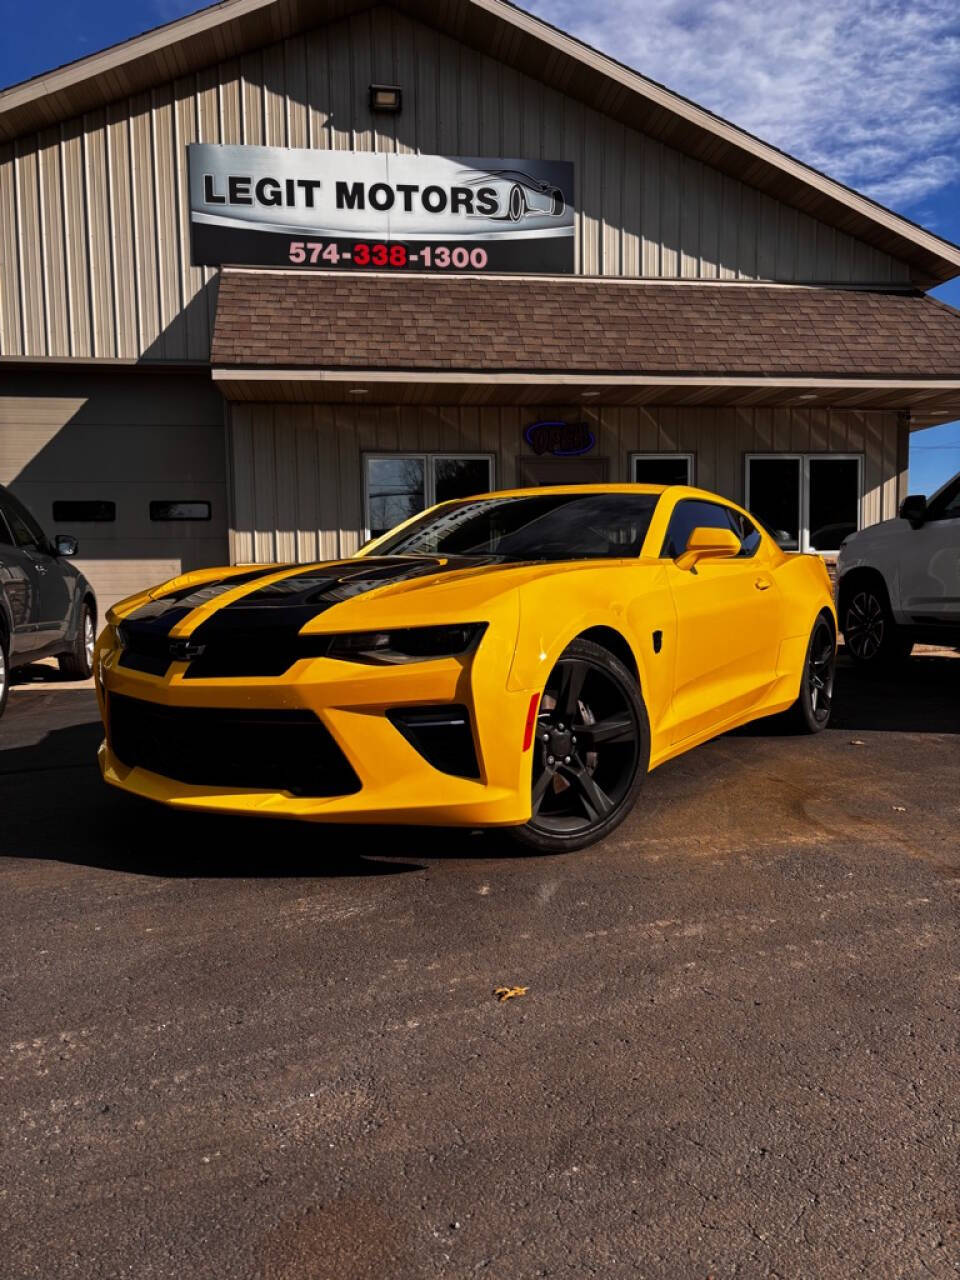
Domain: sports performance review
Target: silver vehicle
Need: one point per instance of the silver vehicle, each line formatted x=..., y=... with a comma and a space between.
x=898, y=582
x=47, y=607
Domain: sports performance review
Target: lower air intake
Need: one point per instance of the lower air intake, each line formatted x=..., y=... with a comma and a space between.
x=442, y=735
x=209, y=747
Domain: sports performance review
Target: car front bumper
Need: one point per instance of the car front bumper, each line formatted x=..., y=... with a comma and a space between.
x=394, y=780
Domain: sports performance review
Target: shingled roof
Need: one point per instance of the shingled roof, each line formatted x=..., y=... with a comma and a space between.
x=425, y=323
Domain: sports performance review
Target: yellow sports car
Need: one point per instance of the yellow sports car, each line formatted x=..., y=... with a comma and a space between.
x=519, y=659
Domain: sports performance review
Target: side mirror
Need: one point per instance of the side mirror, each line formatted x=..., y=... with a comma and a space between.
x=914, y=509
x=64, y=545
x=708, y=544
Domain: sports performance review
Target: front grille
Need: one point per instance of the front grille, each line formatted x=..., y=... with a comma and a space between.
x=442, y=735
x=147, y=653
x=253, y=750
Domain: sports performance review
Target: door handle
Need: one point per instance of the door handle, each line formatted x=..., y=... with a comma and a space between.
x=763, y=584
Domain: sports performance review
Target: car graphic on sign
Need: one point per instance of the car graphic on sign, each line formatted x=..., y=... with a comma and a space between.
x=519, y=194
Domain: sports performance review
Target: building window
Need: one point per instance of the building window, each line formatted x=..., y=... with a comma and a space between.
x=87, y=511
x=661, y=468
x=180, y=510
x=808, y=501
x=399, y=485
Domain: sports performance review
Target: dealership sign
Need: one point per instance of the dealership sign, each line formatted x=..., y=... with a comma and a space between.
x=357, y=210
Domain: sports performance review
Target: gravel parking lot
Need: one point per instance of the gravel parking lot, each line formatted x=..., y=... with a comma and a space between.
x=234, y=1049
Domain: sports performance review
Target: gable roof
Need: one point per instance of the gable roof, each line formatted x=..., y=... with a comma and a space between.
x=509, y=34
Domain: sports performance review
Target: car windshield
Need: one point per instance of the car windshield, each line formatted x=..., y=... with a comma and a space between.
x=549, y=526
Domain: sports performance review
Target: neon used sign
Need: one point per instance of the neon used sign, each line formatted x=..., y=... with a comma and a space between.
x=561, y=439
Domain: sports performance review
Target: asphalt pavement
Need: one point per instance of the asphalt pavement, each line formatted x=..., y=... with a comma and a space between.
x=236, y=1049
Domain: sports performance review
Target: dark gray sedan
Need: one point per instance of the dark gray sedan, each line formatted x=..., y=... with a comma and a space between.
x=47, y=607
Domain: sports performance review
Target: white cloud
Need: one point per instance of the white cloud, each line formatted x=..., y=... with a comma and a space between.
x=866, y=90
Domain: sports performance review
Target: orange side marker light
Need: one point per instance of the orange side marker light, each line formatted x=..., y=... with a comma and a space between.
x=531, y=724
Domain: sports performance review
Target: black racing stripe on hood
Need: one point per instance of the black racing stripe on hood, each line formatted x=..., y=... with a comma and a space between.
x=160, y=615
x=258, y=634
x=295, y=600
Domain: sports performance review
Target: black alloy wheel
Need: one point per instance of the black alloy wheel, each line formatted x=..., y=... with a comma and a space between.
x=812, y=710
x=590, y=751
x=870, y=634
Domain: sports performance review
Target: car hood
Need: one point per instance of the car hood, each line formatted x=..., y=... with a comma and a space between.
x=363, y=592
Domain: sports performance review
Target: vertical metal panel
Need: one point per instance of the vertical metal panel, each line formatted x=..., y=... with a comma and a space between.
x=231, y=123
x=94, y=234
x=193, y=303
x=319, y=121
x=98, y=228
x=121, y=230
x=669, y=212
x=691, y=181
x=173, y=342
x=56, y=292
x=274, y=98
x=75, y=240
x=11, y=337
x=295, y=91
x=359, y=36
x=27, y=187
x=251, y=71
x=144, y=223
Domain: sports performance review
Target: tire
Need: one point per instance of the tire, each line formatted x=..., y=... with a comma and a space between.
x=814, y=705
x=871, y=635
x=4, y=671
x=590, y=753
x=516, y=203
x=77, y=664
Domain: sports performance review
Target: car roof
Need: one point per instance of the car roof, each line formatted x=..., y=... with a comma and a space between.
x=681, y=490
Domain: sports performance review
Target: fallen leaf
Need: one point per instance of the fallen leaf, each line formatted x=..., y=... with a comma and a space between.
x=508, y=993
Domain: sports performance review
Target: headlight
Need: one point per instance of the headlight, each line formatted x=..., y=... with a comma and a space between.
x=407, y=644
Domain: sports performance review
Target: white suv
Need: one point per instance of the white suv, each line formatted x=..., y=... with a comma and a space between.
x=899, y=582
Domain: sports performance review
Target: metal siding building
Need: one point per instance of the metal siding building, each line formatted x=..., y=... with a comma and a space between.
x=106, y=394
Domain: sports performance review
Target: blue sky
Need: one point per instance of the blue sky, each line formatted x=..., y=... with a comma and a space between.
x=869, y=92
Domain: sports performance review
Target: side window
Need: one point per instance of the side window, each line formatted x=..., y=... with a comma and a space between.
x=6, y=537
x=747, y=532
x=947, y=506
x=26, y=531
x=689, y=515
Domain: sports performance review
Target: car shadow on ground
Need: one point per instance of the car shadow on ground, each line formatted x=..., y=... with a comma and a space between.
x=55, y=807
x=46, y=672
x=921, y=695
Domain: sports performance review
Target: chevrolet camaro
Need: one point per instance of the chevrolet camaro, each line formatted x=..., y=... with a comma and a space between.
x=521, y=659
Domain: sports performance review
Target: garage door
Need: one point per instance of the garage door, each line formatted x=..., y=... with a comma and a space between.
x=131, y=463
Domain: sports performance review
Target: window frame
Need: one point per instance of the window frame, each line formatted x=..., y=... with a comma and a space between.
x=637, y=456
x=427, y=457
x=17, y=510
x=937, y=509
x=723, y=506
x=803, y=493
x=5, y=530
